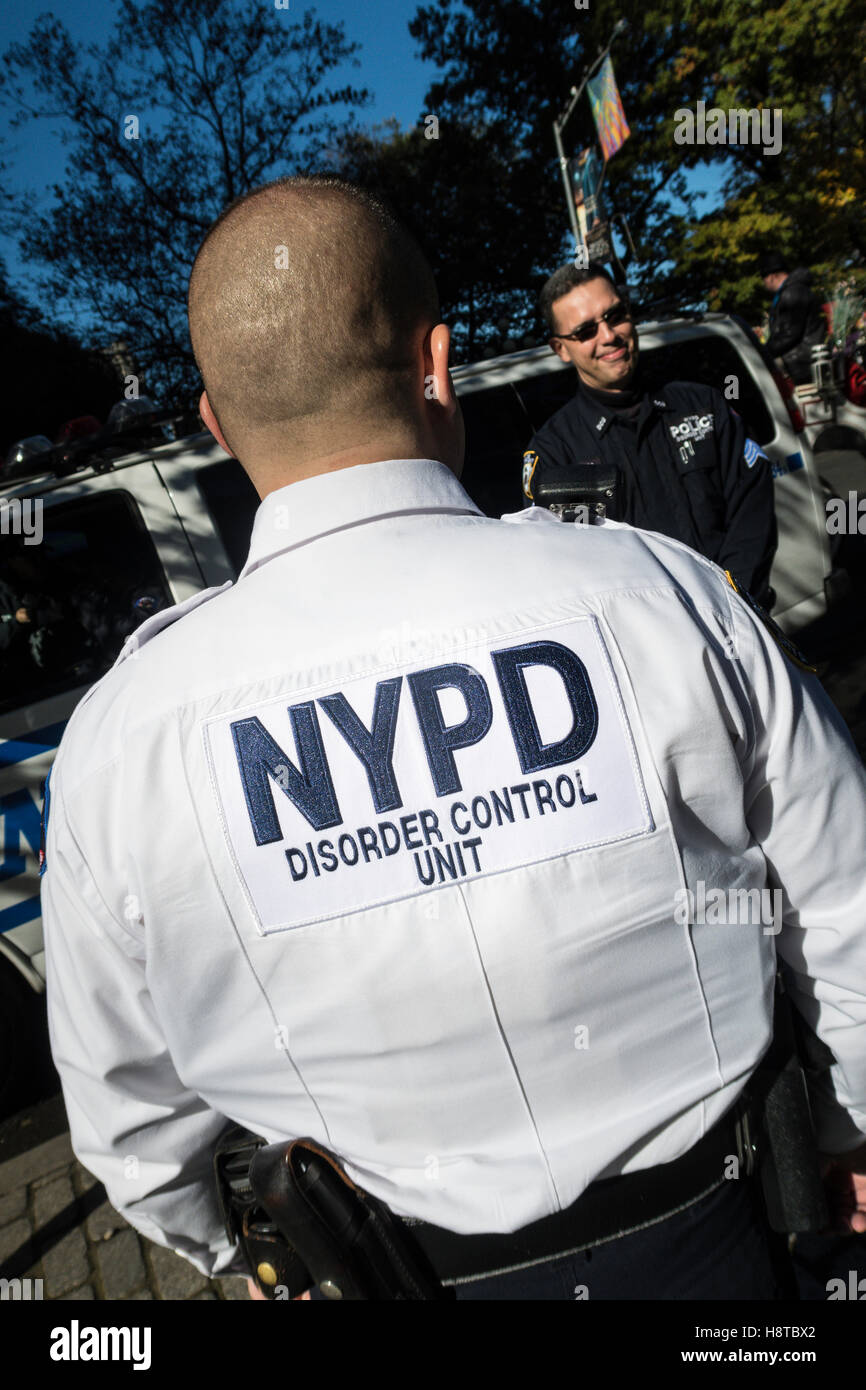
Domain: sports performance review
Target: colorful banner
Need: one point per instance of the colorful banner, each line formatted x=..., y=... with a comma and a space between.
x=606, y=103
x=587, y=175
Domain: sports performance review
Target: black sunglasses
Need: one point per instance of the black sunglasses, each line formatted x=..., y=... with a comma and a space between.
x=616, y=314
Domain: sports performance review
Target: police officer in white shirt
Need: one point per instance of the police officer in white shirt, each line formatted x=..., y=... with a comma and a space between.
x=460, y=875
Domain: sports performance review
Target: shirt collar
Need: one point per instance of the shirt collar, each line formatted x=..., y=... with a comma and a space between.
x=602, y=416
x=650, y=404
x=293, y=515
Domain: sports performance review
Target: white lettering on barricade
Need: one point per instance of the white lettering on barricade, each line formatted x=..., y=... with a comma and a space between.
x=422, y=775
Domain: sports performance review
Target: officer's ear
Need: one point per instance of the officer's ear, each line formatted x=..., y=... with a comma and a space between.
x=437, y=378
x=205, y=410
x=558, y=346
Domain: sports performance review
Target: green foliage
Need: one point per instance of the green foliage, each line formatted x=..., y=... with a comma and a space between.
x=803, y=59
x=510, y=69
x=507, y=71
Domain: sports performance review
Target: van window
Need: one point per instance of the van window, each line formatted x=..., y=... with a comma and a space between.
x=68, y=602
x=232, y=502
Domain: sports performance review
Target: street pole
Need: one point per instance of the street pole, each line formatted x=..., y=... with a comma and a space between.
x=558, y=127
x=565, y=116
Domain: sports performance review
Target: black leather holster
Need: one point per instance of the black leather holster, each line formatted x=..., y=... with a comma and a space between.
x=301, y=1221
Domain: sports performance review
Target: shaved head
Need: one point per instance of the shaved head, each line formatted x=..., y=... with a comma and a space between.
x=307, y=305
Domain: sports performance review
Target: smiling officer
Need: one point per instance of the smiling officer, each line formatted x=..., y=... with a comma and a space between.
x=685, y=466
x=385, y=848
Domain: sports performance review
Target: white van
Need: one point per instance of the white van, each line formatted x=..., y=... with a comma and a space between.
x=833, y=424
x=115, y=546
x=122, y=539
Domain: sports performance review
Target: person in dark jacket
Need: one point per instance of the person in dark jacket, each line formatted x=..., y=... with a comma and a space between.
x=797, y=320
x=685, y=466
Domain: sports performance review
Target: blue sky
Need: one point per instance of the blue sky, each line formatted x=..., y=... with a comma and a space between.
x=390, y=68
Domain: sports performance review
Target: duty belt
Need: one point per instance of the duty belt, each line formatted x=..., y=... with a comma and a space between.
x=302, y=1221
x=607, y=1210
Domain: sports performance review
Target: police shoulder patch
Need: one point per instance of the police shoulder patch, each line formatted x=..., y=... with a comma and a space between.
x=782, y=641
x=752, y=452
x=530, y=463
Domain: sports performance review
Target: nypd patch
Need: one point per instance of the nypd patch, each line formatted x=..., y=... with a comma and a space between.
x=782, y=641
x=692, y=428
x=530, y=463
x=419, y=777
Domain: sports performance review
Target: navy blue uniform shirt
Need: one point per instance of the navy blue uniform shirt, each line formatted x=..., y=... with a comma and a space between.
x=687, y=470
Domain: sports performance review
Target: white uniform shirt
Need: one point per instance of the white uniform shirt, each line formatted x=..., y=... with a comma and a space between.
x=431, y=839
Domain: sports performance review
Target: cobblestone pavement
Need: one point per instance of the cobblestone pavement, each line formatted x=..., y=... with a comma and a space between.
x=57, y=1225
